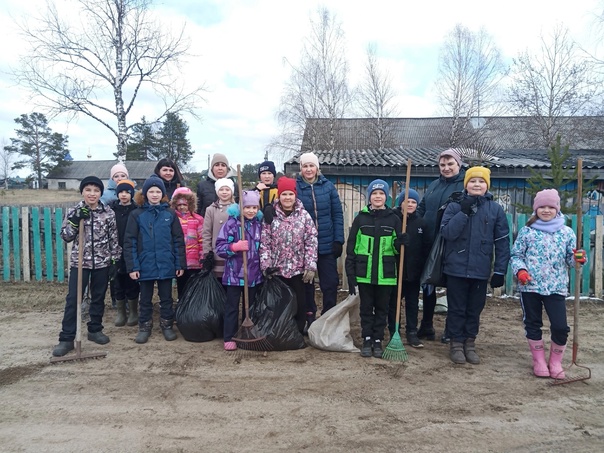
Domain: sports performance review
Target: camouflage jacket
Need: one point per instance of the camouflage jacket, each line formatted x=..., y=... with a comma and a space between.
x=100, y=237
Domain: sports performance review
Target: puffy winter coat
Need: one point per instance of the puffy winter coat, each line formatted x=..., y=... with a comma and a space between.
x=171, y=186
x=416, y=253
x=122, y=214
x=216, y=217
x=206, y=192
x=154, y=244
x=471, y=240
x=192, y=228
x=109, y=194
x=268, y=196
x=289, y=242
x=547, y=257
x=100, y=237
x=322, y=202
x=370, y=253
x=230, y=233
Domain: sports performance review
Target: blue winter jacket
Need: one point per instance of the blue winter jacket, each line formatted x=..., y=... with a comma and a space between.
x=154, y=244
x=471, y=240
x=322, y=202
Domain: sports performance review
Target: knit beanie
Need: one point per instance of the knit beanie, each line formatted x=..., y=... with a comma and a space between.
x=181, y=191
x=377, y=184
x=127, y=185
x=92, y=180
x=547, y=197
x=267, y=165
x=286, y=183
x=218, y=158
x=118, y=168
x=154, y=181
x=224, y=182
x=478, y=172
x=251, y=198
x=309, y=158
x=412, y=194
x=451, y=152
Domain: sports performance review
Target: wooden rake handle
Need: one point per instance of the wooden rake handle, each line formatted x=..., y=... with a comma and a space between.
x=402, y=251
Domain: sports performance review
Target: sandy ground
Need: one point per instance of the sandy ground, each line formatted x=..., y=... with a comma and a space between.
x=191, y=397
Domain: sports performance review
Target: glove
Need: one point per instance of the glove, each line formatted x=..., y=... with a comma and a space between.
x=523, y=277
x=113, y=267
x=270, y=272
x=402, y=239
x=240, y=246
x=497, y=280
x=352, y=283
x=467, y=204
x=269, y=213
x=308, y=276
x=337, y=249
x=580, y=256
x=207, y=264
x=79, y=214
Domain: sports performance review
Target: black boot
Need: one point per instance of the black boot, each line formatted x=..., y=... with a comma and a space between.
x=120, y=316
x=166, y=328
x=367, y=347
x=413, y=339
x=144, y=332
x=133, y=313
x=377, y=349
x=98, y=337
x=426, y=332
x=62, y=348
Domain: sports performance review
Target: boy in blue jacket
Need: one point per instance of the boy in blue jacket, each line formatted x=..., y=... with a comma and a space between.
x=473, y=230
x=154, y=250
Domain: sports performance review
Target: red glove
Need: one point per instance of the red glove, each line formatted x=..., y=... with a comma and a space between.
x=580, y=256
x=240, y=246
x=523, y=276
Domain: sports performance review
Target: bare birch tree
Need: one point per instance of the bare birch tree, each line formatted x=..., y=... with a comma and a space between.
x=7, y=159
x=317, y=88
x=99, y=66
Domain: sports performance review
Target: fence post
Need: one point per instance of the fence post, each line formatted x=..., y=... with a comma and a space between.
x=35, y=223
x=16, y=243
x=50, y=272
x=6, y=243
x=59, y=245
x=586, y=275
x=597, y=257
x=25, y=243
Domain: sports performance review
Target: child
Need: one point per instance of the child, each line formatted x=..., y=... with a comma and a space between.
x=472, y=228
x=154, y=250
x=169, y=173
x=118, y=173
x=184, y=202
x=231, y=247
x=101, y=249
x=268, y=189
x=417, y=241
x=215, y=218
x=289, y=245
x=206, y=189
x=541, y=257
x=124, y=287
x=373, y=245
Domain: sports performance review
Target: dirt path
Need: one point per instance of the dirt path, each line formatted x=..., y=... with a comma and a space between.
x=181, y=397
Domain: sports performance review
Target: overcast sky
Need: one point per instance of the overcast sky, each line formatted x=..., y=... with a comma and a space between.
x=238, y=47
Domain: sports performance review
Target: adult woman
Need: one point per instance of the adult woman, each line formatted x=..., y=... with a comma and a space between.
x=168, y=171
x=206, y=190
x=438, y=192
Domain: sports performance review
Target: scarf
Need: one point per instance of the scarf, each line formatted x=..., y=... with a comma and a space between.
x=549, y=227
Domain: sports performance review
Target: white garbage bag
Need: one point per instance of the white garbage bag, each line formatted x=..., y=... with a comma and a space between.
x=331, y=332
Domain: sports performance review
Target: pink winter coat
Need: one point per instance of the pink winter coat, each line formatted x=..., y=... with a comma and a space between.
x=192, y=227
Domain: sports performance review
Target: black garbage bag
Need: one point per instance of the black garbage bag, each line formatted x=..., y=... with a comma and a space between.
x=200, y=312
x=273, y=314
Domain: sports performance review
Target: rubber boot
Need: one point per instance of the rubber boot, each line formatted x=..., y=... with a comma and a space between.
x=540, y=368
x=166, y=328
x=62, y=348
x=456, y=354
x=120, y=316
x=133, y=313
x=426, y=332
x=556, y=353
x=469, y=349
x=144, y=332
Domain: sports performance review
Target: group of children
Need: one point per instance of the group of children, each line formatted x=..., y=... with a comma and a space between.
x=145, y=240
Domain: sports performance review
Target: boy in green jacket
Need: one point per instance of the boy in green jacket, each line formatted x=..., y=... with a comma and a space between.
x=372, y=257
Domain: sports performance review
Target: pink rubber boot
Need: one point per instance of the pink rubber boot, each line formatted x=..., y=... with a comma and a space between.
x=555, y=361
x=539, y=364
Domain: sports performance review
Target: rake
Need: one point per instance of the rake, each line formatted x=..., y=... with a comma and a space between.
x=578, y=269
x=395, y=351
x=79, y=355
x=248, y=337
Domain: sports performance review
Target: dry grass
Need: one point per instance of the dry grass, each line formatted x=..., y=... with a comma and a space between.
x=28, y=197
x=28, y=296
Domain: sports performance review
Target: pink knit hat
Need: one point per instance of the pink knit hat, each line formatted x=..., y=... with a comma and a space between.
x=547, y=197
x=451, y=153
x=181, y=191
x=118, y=168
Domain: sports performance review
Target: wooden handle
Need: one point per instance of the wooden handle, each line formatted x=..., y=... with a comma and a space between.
x=242, y=219
x=402, y=251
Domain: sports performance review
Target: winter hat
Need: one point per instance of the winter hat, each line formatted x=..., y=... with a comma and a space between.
x=118, y=168
x=412, y=194
x=92, y=180
x=267, y=165
x=286, y=183
x=219, y=158
x=451, y=153
x=127, y=185
x=154, y=181
x=251, y=198
x=547, y=197
x=478, y=172
x=377, y=184
x=224, y=182
x=181, y=191
x=309, y=158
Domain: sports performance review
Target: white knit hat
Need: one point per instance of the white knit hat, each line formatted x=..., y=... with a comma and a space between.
x=224, y=182
x=309, y=158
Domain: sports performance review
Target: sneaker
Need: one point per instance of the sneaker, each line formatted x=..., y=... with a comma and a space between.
x=377, y=349
x=98, y=337
x=445, y=339
x=366, y=350
x=414, y=340
x=230, y=346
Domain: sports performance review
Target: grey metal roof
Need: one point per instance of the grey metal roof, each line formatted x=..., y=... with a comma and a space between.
x=79, y=169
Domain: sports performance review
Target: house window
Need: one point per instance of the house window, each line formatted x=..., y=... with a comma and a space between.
x=62, y=185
